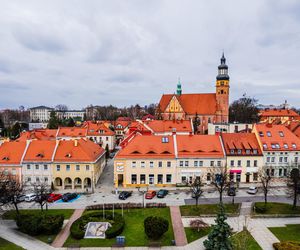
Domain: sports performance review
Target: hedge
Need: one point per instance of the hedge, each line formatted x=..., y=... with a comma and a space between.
x=287, y=245
x=117, y=224
x=35, y=224
x=155, y=227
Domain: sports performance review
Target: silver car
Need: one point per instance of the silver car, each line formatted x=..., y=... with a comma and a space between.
x=252, y=190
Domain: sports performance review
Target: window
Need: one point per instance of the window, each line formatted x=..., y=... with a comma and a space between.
x=46, y=179
x=57, y=167
x=231, y=151
x=280, y=159
x=255, y=176
x=28, y=179
x=269, y=134
x=186, y=163
x=284, y=172
x=142, y=164
x=160, y=164
x=169, y=178
x=238, y=177
x=248, y=163
x=239, y=163
x=239, y=151
x=280, y=172
x=273, y=159
x=208, y=177
x=133, y=179
x=277, y=146
x=28, y=167
x=106, y=138
x=37, y=179
x=268, y=159
x=285, y=145
x=261, y=134
x=160, y=179
x=181, y=163
x=281, y=134
x=200, y=163
x=183, y=179
x=133, y=164
x=232, y=163
x=195, y=163
x=273, y=145
x=296, y=159
x=294, y=145
x=265, y=146
x=68, y=167
x=151, y=164
x=168, y=164
x=45, y=167
x=212, y=163
x=255, y=163
x=37, y=167
x=272, y=172
x=142, y=178
x=87, y=168
x=248, y=151
x=77, y=168
x=285, y=159
x=219, y=163
x=255, y=151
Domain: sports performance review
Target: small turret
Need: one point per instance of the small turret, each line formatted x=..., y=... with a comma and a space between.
x=179, y=90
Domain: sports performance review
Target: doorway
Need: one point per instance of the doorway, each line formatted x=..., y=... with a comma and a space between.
x=247, y=178
x=120, y=179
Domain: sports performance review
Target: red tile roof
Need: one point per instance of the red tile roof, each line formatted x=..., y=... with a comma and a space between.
x=278, y=113
x=277, y=138
x=206, y=146
x=167, y=126
x=71, y=132
x=39, y=134
x=94, y=129
x=240, y=141
x=12, y=152
x=78, y=151
x=192, y=103
x=40, y=151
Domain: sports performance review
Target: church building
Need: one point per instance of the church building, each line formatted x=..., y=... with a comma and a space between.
x=201, y=108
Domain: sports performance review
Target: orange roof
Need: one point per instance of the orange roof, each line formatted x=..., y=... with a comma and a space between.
x=192, y=103
x=199, y=146
x=277, y=138
x=39, y=134
x=98, y=128
x=278, y=113
x=12, y=152
x=168, y=126
x=124, y=124
x=294, y=126
x=71, y=132
x=242, y=141
x=40, y=151
x=149, y=146
x=77, y=151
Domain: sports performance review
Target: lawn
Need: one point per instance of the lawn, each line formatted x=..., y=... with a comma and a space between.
x=10, y=215
x=193, y=210
x=244, y=241
x=6, y=245
x=133, y=231
x=287, y=233
x=192, y=234
x=275, y=208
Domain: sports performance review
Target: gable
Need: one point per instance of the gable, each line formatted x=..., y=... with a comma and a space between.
x=174, y=106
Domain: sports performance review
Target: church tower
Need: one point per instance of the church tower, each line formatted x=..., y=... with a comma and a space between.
x=222, y=92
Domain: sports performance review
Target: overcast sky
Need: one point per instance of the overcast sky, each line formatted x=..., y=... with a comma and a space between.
x=126, y=52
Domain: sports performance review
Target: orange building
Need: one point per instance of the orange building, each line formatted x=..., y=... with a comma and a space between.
x=206, y=108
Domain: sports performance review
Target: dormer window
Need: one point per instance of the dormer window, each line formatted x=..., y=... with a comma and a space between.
x=164, y=139
x=285, y=145
x=269, y=134
x=5, y=158
x=232, y=151
x=281, y=134
x=277, y=146
x=294, y=145
x=273, y=145
x=248, y=151
x=255, y=151
x=68, y=155
x=265, y=146
x=40, y=155
x=239, y=151
x=261, y=134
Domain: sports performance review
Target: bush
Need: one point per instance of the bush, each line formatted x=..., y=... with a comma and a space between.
x=287, y=245
x=155, y=227
x=260, y=209
x=35, y=224
x=78, y=227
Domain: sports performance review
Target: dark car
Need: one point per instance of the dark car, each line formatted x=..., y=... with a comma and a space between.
x=69, y=196
x=231, y=191
x=124, y=195
x=162, y=193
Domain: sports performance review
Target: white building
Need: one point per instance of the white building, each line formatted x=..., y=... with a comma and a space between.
x=214, y=128
x=40, y=114
x=79, y=114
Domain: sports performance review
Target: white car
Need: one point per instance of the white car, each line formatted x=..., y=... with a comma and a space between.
x=30, y=197
x=252, y=190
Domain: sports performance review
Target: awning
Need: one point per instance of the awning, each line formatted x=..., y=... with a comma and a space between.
x=235, y=171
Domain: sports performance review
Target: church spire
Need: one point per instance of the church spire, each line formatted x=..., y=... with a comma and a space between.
x=223, y=69
x=179, y=90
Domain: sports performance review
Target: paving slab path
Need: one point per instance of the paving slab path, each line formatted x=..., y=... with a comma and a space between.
x=65, y=232
x=179, y=233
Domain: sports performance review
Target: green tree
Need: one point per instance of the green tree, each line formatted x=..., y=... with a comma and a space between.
x=15, y=130
x=53, y=121
x=70, y=122
x=244, y=110
x=155, y=227
x=218, y=238
x=294, y=184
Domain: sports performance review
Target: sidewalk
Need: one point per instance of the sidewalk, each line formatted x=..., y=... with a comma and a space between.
x=179, y=233
x=65, y=232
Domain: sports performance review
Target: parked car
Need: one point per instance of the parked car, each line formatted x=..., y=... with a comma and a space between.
x=231, y=191
x=54, y=197
x=21, y=198
x=252, y=190
x=150, y=194
x=69, y=196
x=162, y=193
x=30, y=197
x=124, y=195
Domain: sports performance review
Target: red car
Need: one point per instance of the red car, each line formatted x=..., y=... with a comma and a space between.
x=54, y=197
x=150, y=194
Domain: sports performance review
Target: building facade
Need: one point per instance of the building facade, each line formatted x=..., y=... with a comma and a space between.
x=40, y=114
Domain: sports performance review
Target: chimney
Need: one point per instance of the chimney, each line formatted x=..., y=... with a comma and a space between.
x=75, y=143
x=173, y=131
x=190, y=133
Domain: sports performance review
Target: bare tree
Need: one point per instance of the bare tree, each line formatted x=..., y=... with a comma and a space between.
x=294, y=184
x=10, y=190
x=61, y=107
x=265, y=180
x=198, y=224
x=220, y=179
x=196, y=188
x=42, y=191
